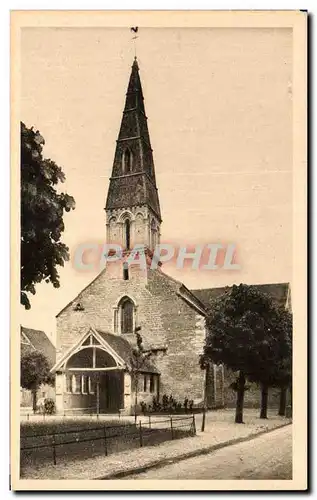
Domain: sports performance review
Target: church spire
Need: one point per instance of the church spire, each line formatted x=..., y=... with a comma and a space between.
x=132, y=190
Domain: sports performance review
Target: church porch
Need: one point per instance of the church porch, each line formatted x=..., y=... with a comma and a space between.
x=93, y=392
x=92, y=377
x=95, y=376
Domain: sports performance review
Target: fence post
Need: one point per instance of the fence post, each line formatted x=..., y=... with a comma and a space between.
x=141, y=437
x=194, y=425
x=97, y=397
x=172, y=428
x=105, y=437
x=54, y=449
x=28, y=416
x=203, y=420
x=149, y=421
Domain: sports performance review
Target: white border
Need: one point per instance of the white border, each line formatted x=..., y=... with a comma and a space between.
x=5, y=6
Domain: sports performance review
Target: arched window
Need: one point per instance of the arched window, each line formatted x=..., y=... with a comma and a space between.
x=153, y=234
x=127, y=161
x=127, y=228
x=125, y=271
x=127, y=313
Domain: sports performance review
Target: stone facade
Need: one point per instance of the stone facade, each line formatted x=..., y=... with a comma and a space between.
x=171, y=328
x=252, y=397
x=144, y=226
x=133, y=212
x=125, y=298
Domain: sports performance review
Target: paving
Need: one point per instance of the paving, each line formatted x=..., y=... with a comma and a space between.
x=268, y=456
x=220, y=431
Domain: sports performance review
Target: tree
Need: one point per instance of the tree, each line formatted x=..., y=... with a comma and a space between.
x=284, y=383
x=42, y=209
x=283, y=377
x=35, y=371
x=274, y=369
x=239, y=336
x=137, y=362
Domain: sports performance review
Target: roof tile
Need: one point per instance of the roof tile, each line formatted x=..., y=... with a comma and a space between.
x=277, y=291
x=40, y=342
x=125, y=350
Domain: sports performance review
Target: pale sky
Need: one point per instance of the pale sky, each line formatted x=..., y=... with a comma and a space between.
x=219, y=103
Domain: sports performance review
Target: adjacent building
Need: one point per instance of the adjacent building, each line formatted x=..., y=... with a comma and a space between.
x=37, y=341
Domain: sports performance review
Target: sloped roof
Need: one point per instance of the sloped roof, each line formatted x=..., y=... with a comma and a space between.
x=117, y=346
x=182, y=291
x=189, y=296
x=124, y=349
x=39, y=341
x=126, y=190
x=277, y=291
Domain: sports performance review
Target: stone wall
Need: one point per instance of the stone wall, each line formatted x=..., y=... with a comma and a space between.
x=168, y=324
x=45, y=391
x=98, y=301
x=252, y=397
x=184, y=333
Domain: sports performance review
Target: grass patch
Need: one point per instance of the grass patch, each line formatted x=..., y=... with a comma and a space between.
x=67, y=425
x=77, y=439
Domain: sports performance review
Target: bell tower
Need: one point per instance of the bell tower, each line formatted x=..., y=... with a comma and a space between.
x=133, y=213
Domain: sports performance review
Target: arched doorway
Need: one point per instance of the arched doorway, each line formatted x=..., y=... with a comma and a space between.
x=94, y=381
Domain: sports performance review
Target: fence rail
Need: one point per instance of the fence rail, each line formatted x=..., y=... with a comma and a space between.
x=91, y=412
x=69, y=413
x=150, y=430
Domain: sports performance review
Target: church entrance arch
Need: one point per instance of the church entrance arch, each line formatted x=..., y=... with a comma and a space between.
x=94, y=381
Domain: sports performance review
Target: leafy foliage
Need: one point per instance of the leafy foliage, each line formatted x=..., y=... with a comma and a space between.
x=235, y=386
x=276, y=368
x=246, y=331
x=139, y=356
x=249, y=334
x=49, y=406
x=168, y=404
x=137, y=362
x=35, y=371
x=42, y=209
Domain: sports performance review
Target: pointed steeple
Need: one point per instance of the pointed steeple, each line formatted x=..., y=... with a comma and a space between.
x=133, y=183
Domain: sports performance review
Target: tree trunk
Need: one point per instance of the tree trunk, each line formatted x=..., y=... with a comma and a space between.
x=291, y=395
x=264, y=399
x=240, y=398
x=136, y=396
x=282, y=406
x=203, y=422
x=34, y=399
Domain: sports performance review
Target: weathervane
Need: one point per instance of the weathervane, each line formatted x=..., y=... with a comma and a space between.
x=135, y=31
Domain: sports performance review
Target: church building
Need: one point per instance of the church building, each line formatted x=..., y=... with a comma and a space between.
x=96, y=332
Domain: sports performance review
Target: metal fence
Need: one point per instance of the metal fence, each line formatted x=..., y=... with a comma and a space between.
x=103, y=439
x=70, y=412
